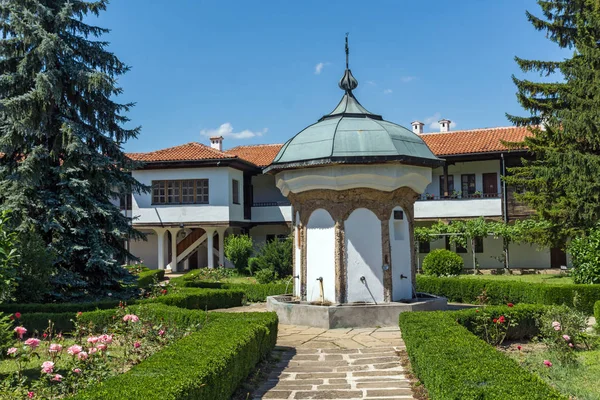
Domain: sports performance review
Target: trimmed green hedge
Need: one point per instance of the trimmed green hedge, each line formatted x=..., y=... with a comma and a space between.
x=255, y=292
x=59, y=307
x=147, y=278
x=597, y=312
x=454, y=364
x=202, y=299
x=209, y=364
x=580, y=297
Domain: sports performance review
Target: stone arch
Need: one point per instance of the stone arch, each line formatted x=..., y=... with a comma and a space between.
x=363, y=243
x=320, y=256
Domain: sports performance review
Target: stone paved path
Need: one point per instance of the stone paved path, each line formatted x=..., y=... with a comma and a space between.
x=337, y=364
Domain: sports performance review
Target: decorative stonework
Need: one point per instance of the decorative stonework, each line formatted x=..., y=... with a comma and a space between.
x=340, y=204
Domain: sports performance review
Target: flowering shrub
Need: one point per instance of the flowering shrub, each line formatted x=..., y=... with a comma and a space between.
x=86, y=358
x=491, y=328
x=562, y=329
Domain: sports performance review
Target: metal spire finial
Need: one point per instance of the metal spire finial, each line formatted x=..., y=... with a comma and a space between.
x=347, y=50
x=348, y=82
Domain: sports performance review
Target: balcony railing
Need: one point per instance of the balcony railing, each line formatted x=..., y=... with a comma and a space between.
x=459, y=196
x=281, y=203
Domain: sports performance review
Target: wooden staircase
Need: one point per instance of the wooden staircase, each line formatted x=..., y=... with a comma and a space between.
x=190, y=239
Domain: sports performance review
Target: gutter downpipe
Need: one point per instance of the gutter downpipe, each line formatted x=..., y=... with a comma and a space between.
x=504, y=208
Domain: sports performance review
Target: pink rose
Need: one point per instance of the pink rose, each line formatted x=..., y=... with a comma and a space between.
x=556, y=325
x=93, y=350
x=102, y=347
x=161, y=333
x=47, y=367
x=93, y=339
x=55, y=348
x=137, y=345
x=567, y=338
x=547, y=363
x=17, y=315
x=106, y=339
x=32, y=342
x=57, y=378
x=77, y=370
x=82, y=356
x=30, y=395
x=20, y=331
x=11, y=351
x=571, y=345
x=74, y=350
x=131, y=317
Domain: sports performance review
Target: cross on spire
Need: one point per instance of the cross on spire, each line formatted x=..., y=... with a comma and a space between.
x=347, y=50
x=348, y=82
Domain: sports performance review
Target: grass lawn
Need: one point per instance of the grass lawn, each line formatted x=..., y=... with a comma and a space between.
x=579, y=380
x=533, y=278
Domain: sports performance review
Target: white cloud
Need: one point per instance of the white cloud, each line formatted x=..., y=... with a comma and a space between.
x=226, y=130
x=406, y=79
x=387, y=91
x=319, y=67
x=432, y=121
x=372, y=83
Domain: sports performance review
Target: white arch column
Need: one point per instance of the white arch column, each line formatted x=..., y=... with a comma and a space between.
x=221, y=232
x=210, y=232
x=173, y=263
x=160, y=234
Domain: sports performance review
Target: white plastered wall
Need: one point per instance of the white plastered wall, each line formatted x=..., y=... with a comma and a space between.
x=320, y=256
x=147, y=251
x=523, y=255
x=297, y=255
x=400, y=262
x=364, y=257
x=259, y=233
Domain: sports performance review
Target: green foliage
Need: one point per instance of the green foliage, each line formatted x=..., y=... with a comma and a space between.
x=62, y=136
x=561, y=329
x=36, y=265
x=238, y=249
x=585, y=253
x=562, y=181
x=8, y=258
x=52, y=308
x=215, y=360
x=597, y=312
x=266, y=275
x=6, y=333
x=201, y=299
x=579, y=297
x=442, y=262
x=454, y=364
x=150, y=277
x=276, y=256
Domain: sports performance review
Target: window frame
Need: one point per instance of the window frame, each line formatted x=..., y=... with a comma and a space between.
x=450, y=185
x=424, y=247
x=468, y=192
x=235, y=191
x=199, y=188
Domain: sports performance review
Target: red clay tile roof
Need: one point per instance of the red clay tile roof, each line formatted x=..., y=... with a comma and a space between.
x=473, y=141
x=186, y=152
x=260, y=155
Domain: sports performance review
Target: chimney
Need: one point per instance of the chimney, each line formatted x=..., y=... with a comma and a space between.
x=417, y=127
x=216, y=142
x=444, y=125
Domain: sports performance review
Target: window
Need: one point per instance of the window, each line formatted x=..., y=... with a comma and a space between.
x=158, y=192
x=125, y=202
x=478, y=245
x=235, y=189
x=468, y=184
x=424, y=246
x=450, y=185
x=180, y=192
x=460, y=249
x=398, y=215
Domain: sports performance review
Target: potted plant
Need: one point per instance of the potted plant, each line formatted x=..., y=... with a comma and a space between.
x=455, y=194
x=429, y=196
x=477, y=195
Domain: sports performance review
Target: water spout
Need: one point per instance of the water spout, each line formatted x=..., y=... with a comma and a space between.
x=288, y=282
x=320, y=279
x=364, y=281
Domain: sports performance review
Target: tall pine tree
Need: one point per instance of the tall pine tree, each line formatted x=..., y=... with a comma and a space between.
x=61, y=136
x=562, y=183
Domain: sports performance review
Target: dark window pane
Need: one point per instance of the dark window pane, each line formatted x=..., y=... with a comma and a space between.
x=235, y=188
x=450, y=185
x=479, y=245
x=424, y=247
x=468, y=184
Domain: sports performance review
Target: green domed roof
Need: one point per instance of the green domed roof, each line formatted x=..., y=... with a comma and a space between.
x=350, y=134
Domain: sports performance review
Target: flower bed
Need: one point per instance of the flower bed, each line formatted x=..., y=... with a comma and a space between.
x=580, y=297
x=126, y=352
x=453, y=363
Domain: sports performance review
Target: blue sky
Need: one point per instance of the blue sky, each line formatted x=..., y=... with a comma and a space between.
x=249, y=68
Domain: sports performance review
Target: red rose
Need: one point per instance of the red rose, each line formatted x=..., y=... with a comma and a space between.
x=502, y=319
x=494, y=320
x=164, y=291
x=519, y=348
x=11, y=318
x=17, y=315
x=510, y=305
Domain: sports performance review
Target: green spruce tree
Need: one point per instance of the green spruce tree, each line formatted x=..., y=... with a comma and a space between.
x=562, y=182
x=61, y=136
